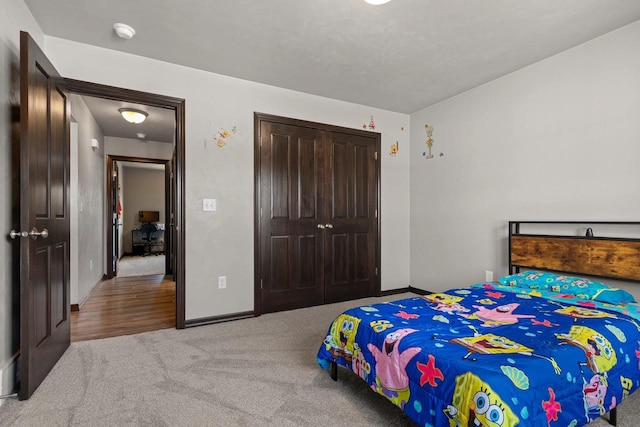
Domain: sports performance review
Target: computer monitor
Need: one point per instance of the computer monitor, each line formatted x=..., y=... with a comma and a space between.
x=148, y=216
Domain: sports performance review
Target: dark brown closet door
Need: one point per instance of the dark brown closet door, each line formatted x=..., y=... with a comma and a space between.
x=351, y=231
x=291, y=256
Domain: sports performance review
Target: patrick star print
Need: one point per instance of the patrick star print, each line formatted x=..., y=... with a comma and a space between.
x=391, y=367
x=502, y=315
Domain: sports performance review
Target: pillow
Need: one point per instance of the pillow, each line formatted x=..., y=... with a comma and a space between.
x=578, y=286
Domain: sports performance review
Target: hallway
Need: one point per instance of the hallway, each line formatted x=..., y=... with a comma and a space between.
x=125, y=306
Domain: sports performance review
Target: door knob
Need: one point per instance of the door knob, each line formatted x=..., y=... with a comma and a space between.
x=34, y=233
x=321, y=227
x=329, y=225
x=15, y=234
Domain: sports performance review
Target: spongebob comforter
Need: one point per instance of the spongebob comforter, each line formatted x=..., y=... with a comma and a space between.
x=492, y=357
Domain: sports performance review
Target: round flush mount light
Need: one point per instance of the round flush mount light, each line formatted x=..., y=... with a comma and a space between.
x=132, y=115
x=377, y=2
x=124, y=31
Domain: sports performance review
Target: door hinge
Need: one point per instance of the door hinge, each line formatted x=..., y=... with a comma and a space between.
x=261, y=284
x=376, y=271
x=260, y=212
x=375, y=155
x=376, y=213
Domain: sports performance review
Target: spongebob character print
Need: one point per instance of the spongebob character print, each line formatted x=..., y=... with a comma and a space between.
x=600, y=354
x=476, y=404
x=340, y=343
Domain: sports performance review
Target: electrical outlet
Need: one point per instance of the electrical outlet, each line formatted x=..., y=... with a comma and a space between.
x=222, y=282
x=488, y=276
x=209, y=205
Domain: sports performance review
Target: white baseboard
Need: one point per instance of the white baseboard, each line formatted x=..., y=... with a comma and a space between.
x=8, y=376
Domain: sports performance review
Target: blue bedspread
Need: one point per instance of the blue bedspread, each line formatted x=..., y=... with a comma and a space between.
x=486, y=354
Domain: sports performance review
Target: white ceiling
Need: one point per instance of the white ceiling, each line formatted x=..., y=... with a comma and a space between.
x=159, y=125
x=402, y=56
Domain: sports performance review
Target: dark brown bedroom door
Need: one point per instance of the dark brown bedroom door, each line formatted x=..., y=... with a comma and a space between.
x=44, y=215
x=316, y=214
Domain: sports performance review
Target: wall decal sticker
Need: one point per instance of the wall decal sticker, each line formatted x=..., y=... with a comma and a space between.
x=427, y=154
x=394, y=149
x=223, y=136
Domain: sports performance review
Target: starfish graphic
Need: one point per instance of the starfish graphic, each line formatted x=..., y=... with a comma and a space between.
x=495, y=294
x=551, y=407
x=587, y=304
x=406, y=315
x=429, y=372
x=545, y=322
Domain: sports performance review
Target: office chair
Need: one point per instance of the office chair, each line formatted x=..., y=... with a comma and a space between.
x=149, y=236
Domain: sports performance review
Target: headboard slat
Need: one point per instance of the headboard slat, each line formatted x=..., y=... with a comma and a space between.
x=595, y=257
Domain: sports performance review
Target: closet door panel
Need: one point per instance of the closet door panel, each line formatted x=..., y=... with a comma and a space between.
x=339, y=267
x=290, y=248
x=352, y=184
x=280, y=258
x=308, y=267
x=339, y=180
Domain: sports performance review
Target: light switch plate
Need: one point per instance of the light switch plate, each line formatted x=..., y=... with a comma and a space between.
x=208, y=205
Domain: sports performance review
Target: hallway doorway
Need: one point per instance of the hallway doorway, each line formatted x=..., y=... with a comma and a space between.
x=140, y=208
x=174, y=232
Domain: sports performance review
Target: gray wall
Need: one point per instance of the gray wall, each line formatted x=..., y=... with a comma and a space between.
x=557, y=140
x=138, y=148
x=89, y=202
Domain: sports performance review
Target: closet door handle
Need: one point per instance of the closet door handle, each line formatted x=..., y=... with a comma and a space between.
x=321, y=227
x=329, y=225
x=34, y=233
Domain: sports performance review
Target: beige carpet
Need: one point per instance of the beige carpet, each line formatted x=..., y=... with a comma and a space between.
x=129, y=266
x=254, y=372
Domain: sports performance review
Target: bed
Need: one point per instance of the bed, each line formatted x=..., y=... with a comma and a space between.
x=537, y=347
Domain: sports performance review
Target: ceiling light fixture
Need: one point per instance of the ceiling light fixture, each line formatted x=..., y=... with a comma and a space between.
x=124, y=31
x=377, y=2
x=141, y=135
x=132, y=115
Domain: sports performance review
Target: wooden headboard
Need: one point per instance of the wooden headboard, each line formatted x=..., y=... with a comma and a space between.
x=608, y=257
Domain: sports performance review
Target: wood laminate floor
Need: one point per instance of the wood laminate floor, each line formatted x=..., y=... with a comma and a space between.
x=124, y=306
